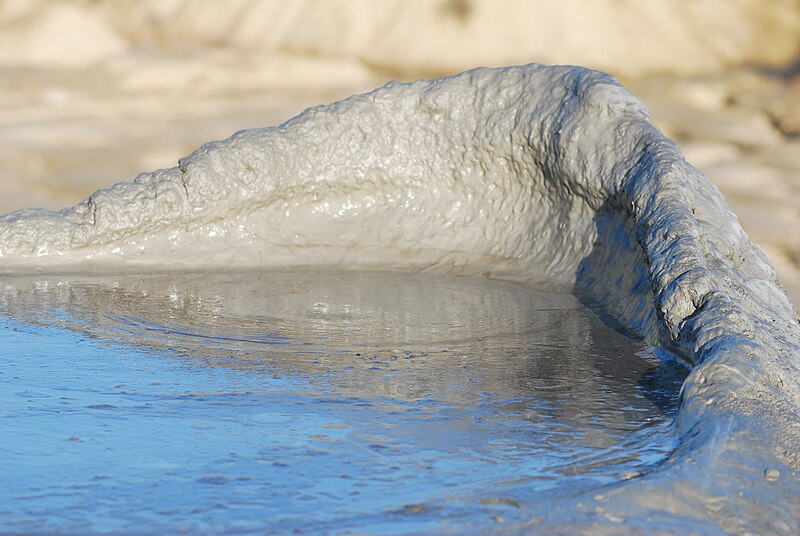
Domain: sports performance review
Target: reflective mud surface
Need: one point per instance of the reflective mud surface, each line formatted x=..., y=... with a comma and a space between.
x=313, y=401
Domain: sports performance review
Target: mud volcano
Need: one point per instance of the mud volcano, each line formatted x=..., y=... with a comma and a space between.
x=526, y=173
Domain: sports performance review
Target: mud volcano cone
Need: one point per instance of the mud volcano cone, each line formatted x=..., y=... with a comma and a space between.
x=525, y=173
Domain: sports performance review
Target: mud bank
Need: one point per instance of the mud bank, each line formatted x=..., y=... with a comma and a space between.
x=524, y=173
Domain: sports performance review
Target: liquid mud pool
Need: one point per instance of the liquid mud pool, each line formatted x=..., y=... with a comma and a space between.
x=314, y=401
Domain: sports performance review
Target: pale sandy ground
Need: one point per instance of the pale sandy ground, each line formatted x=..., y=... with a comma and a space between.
x=78, y=117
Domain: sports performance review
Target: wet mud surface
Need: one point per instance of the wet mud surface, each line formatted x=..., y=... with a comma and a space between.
x=314, y=401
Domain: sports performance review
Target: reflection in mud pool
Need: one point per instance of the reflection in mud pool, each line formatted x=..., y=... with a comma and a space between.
x=318, y=401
